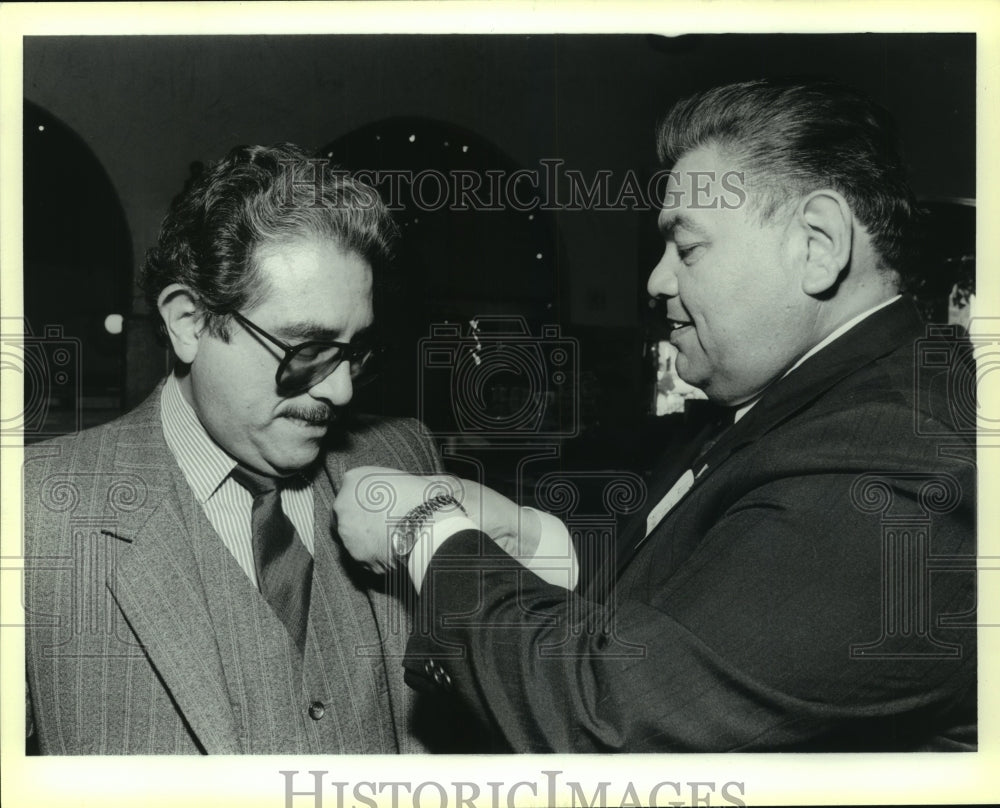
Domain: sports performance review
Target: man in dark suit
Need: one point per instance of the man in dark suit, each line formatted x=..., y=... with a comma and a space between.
x=183, y=591
x=776, y=592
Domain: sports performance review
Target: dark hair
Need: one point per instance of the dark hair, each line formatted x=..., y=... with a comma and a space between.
x=258, y=195
x=796, y=136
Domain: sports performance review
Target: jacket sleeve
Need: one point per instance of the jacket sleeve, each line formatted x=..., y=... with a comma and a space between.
x=755, y=641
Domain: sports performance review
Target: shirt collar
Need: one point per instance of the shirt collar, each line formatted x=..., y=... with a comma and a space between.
x=204, y=464
x=843, y=329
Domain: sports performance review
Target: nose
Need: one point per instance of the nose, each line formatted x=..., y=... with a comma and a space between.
x=663, y=280
x=337, y=388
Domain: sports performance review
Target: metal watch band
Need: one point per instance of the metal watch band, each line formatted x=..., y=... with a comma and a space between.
x=404, y=535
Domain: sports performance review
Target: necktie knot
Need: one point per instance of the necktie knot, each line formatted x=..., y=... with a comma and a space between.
x=257, y=484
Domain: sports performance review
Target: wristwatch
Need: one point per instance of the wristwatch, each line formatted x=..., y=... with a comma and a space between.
x=404, y=535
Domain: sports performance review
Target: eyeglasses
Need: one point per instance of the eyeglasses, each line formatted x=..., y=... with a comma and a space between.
x=308, y=363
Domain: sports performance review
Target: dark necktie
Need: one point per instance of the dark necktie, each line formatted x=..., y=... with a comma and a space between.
x=692, y=455
x=717, y=428
x=284, y=565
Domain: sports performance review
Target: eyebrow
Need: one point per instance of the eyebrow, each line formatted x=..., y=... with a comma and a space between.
x=310, y=331
x=667, y=225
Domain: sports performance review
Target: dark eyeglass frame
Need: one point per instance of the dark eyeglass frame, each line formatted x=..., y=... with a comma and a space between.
x=350, y=352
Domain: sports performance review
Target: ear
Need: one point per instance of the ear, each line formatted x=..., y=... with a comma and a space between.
x=829, y=227
x=183, y=320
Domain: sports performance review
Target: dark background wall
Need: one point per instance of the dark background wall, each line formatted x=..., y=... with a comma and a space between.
x=147, y=107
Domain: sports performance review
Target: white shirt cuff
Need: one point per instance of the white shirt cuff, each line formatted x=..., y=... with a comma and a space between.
x=554, y=559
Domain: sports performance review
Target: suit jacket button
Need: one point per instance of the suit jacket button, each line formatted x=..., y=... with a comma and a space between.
x=429, y=667
x=317, y=710
x=445, y=680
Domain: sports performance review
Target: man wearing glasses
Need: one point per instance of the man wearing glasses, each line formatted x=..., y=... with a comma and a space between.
x=183, y=592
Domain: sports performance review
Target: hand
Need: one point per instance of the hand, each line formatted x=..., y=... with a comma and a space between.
x=370, y=501
x=372, y=498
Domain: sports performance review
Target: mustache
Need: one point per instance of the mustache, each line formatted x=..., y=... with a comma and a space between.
x=317, y=415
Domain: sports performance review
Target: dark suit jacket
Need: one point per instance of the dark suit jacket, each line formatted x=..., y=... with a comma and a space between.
x=145, y=636
x=812, y=591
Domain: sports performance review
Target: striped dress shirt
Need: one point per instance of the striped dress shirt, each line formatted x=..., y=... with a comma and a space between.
x=206, y=467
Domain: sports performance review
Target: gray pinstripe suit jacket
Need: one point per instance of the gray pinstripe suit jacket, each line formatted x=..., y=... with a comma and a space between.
x=144, y=636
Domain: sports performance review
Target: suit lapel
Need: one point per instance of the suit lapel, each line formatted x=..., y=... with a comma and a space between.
x=675, y=460
x=158, y=587
x=386, y=610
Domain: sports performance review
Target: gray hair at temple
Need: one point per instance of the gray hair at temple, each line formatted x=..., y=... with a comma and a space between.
x=793, y=137
x=259, y=195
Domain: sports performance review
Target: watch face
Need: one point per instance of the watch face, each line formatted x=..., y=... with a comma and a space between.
x=402, y=541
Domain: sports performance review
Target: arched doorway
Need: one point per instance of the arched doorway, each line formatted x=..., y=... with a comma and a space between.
x=77, y=282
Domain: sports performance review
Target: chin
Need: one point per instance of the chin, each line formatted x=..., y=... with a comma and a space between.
x=689, y=374
x=289, y=462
